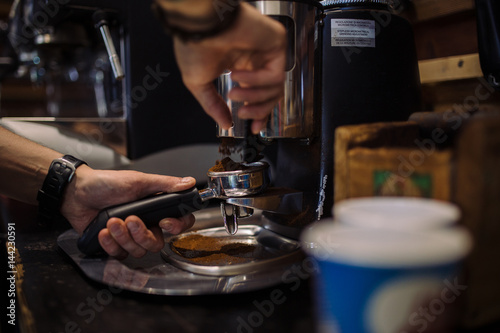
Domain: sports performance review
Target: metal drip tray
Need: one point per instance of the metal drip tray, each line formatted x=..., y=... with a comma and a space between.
x=152, y=274
x=216, y=253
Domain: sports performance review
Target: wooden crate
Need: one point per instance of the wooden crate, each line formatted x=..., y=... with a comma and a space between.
x=399, y=172
x=390, y=159
x=464, y=169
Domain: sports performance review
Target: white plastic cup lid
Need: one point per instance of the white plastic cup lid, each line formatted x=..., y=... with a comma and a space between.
x=335, y=242
x=406, y=213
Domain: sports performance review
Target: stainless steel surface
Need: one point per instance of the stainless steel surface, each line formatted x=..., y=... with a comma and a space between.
x=81, y=137
x=270, y=251
x=244, y=212
x=276, y=200
x=252, y=180
x=207, y=194
x=238, y=183
x=113, y=56
x=293, y=116
x=230, y=220
x=224, y=85
x=152, y=275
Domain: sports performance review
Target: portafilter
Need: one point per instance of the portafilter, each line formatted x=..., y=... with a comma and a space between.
x=251, y=179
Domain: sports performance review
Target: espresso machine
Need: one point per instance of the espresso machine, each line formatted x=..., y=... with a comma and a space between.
x=105, y=67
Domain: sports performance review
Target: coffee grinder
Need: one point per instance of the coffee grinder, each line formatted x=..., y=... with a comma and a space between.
x=348, y=62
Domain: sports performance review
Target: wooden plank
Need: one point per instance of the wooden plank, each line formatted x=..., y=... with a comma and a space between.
x=460, y=95
x=448, y=36
x=431, y=9
x=450, y=68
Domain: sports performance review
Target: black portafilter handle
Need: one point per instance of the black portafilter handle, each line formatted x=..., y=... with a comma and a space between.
x=150, y=209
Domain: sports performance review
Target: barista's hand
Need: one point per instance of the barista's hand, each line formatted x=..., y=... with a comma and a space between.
x=93, y=190
x=254, y=50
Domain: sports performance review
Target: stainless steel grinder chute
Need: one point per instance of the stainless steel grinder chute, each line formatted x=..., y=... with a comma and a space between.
x=293, y=116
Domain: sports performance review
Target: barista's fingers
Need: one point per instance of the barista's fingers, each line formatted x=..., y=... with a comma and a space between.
x=258, y=111
x=176, y=226
x=268, y=66
x=110, y=245
x=272, y=74
x=257, y=125
x=144, y=184
x=175, y=184
x=256, y=95
x=121, y=235
x=148, y=239
x=213, y=104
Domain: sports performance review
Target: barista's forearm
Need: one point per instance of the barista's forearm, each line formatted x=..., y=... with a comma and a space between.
x=23, y=167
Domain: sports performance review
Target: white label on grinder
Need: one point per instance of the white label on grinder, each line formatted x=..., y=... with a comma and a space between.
x=353, y=32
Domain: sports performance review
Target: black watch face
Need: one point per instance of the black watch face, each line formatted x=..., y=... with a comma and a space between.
x=63, y=168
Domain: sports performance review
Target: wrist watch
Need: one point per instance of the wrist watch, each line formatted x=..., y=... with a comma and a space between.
x=49, y=197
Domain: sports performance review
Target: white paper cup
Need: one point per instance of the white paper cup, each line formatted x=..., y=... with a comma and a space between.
x=402, y=213
x=382, y=281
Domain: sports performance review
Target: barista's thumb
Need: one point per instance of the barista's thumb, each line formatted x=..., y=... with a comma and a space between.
x=171, y=184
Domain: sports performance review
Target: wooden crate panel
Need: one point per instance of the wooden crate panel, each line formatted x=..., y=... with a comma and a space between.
x=399, y=172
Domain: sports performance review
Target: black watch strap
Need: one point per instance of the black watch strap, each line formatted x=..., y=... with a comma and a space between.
x=49, y=197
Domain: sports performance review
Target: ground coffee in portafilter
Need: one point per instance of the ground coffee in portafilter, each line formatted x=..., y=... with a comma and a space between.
x=215, y=251
x=228, y=146
x=249, y=150
x=227, y=164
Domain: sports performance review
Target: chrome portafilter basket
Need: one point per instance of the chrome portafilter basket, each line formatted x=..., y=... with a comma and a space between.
x=238, y=183
x=253, y=178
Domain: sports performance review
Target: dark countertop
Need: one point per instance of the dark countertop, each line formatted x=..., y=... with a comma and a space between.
x=54, y=296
